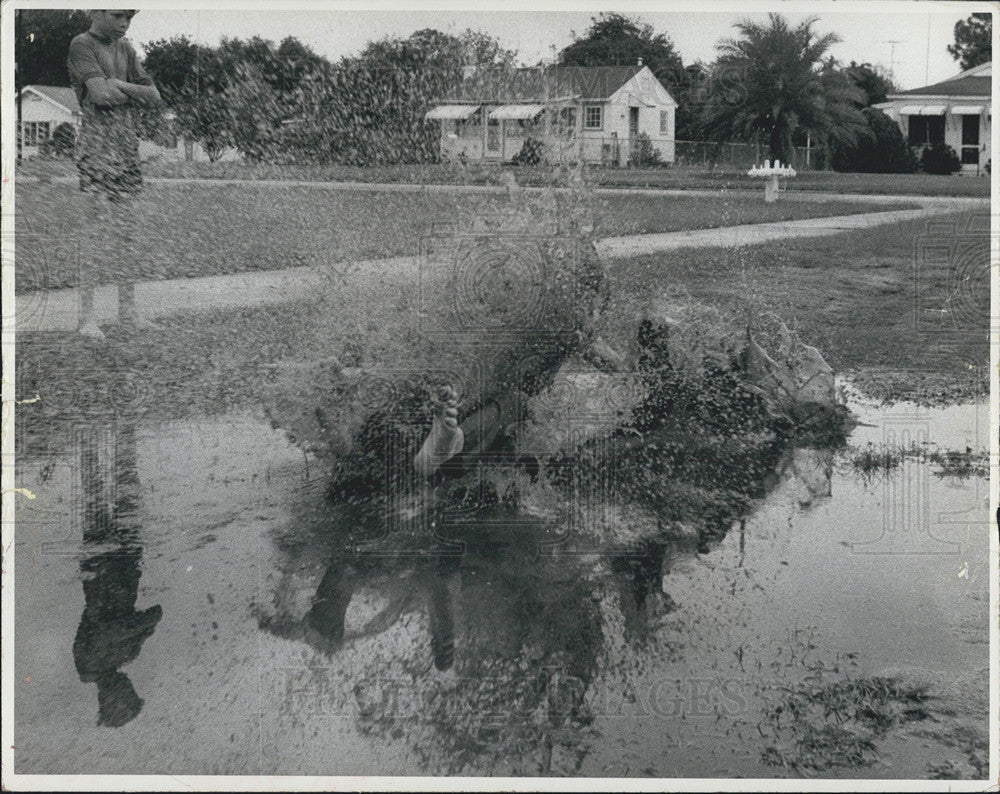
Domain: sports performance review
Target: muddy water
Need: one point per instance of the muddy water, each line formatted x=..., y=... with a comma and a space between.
x=186, y=586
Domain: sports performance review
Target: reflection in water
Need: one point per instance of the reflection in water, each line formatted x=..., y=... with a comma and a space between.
x=491, y=649
x=442, y=619
x=111, y=630
x=641, y=593
x=325, y=622
x=499, y=643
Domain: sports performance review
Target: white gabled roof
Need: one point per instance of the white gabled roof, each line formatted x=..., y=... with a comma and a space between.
x=643, y=88
x=62, y=97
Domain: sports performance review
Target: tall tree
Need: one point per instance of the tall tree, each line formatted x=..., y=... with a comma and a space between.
x=192, y=80
x=617, y=40
x=41, y=44
x=431, y=50
x=973, y=41
x=237, y=94
x=873, y=81
x=783, y=85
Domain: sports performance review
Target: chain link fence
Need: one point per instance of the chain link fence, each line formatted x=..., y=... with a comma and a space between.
x=651, y=151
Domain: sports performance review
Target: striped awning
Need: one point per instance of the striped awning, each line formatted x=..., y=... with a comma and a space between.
x=520, y=112
x=922, y=110
x=967, y=110
x=451, y=112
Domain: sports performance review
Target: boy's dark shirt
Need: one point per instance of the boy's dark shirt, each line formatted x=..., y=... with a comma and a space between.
x=107, y=148
x=91, y=56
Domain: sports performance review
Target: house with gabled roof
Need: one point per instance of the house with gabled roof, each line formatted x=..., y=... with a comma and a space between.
x=956, y=111
x=592, y=114
x=43, y=108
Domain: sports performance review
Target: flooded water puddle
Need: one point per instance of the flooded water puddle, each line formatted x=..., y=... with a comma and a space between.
x=197, y=607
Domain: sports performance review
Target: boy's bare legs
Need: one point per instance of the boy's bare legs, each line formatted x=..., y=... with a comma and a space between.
x=128, y=317
x=90, y=277
x=445, y=439
x=117, y=219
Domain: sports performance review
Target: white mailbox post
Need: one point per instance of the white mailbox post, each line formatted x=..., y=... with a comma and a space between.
x=770, y=175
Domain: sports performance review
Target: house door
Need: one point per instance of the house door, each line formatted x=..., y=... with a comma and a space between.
x=970, y=139
x=633, y=122
x=633, y=133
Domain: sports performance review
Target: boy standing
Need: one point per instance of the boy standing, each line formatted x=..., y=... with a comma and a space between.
x=110, y=84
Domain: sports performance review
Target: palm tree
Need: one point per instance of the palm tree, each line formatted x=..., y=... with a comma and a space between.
x=773, y=81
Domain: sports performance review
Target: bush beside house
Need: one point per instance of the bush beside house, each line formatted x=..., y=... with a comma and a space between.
x=645, y=155
x=940, y=159
x=531, y=152
x=881, y=149
x=62, y=143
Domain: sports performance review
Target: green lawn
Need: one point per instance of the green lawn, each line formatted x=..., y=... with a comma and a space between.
x=184, y=230
x=853, y=296
x=689, y=178
x=886, y=303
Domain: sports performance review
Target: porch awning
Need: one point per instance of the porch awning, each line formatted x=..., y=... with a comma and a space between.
x=967, y=110
x=451, y=112
x=922, y=110
x=520, y=112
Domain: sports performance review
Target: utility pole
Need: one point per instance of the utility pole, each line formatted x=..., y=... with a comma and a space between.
x=18, y=140
x=927, y=52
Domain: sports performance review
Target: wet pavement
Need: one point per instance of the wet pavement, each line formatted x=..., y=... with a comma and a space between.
x=188, y=602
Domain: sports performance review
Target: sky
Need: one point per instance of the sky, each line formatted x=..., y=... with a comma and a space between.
x=921, y=30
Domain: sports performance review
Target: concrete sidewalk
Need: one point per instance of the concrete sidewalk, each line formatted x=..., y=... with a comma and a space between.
x=752, y=234
x=57, y=310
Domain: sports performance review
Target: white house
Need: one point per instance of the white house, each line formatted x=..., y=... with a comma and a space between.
x=956, y=112
x=592, y=114
x=45, y=107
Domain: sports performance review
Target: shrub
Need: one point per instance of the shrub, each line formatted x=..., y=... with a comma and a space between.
x=881, y=150
x=940, y=159
x=62, y=143
x=644, y=154
x=530, y=154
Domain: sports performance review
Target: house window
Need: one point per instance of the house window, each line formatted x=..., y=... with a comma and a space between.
x=35, y=132
x=593, y=117
x=926, y=130
x=664, y=122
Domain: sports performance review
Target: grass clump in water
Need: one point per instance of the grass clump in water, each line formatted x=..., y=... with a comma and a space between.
x=816, y=728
